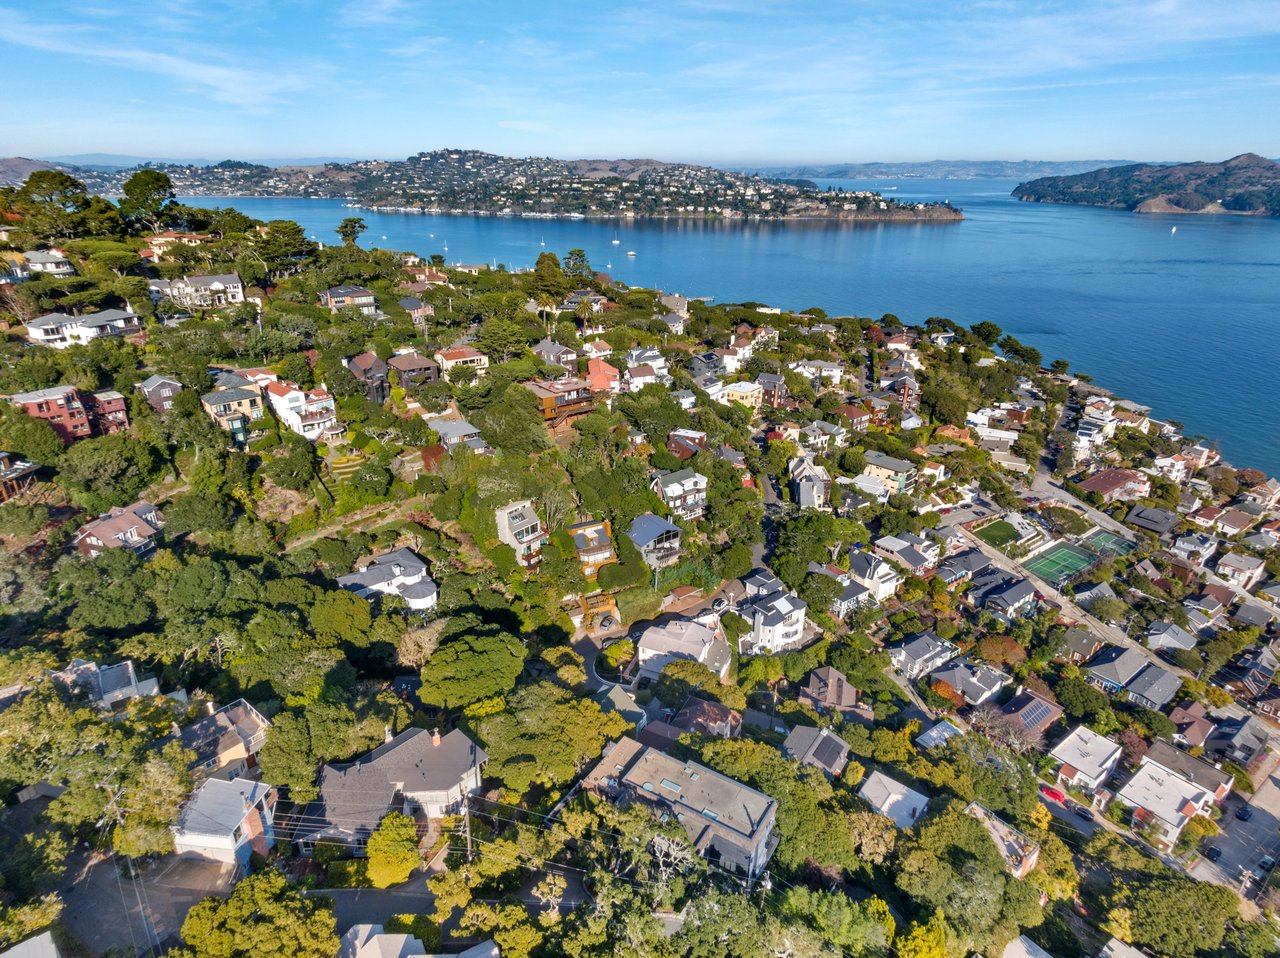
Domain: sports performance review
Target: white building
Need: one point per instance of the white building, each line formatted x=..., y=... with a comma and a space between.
x=777, y=616
x=520, y=528
x=1165, y=801
x=902, y=805
x=400, y=573
x=660, y=645
x=308, y=412
x=1086, y=759
x=878, y=576
x=201, y=292
x=61, y=331
x=227, y=821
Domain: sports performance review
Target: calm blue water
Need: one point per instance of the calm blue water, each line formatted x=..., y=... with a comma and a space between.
x=1188, y=323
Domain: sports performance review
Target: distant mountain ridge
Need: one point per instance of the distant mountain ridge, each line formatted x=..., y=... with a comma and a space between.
x=936, y=169
x=1246, y=184
x=123, y=161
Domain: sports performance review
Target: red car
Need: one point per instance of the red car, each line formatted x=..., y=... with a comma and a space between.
x=1050, y=792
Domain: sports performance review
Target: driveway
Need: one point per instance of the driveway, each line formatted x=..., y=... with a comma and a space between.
x=107, y=909
x=1244, y=844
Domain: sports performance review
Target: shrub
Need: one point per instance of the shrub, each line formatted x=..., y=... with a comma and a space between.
x=419, y=926
x=393, y=851
x=348, y=873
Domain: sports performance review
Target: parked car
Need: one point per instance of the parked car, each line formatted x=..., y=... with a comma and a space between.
x=718, y=605
x=1267, y=864
x=1213, y=853
x=1244, y=812
x=1048, y=791
x=1082, y=812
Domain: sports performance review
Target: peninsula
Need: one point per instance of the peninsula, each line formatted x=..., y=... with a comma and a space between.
x=474, y=182
x=1247, y=184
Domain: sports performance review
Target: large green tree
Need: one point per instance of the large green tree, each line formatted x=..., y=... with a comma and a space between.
x=263, y=916
x=148, y=195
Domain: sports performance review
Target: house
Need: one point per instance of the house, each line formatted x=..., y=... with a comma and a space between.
x=226, y=742
x=401, y=573
x=163, y=242
x=681, y=639
x=1266, y=494
x=16, y=475
x=458, y=434
x=308, y=412
x=810, y=483
x=819, y=372
x=370, y=372
x=707, y=718
x=1234, y=522
x=1160, y=521
x=593, y=541
x=1019, y=853
x=920, y=654
x=412, y=369
x=827, y=691
x=684, y=444
x=1164, y=802
x=603, y=378
x=962, y=567
x=1242, y=740
x=1191, y=719
x=419, y=773
x=520, y=528
x=901, y=805
x=200, y=292
x=1242, y=571
x=554, y=354
x=561, y=400
x=159, y=391
x=1206, y=775
x=337, y=298
x=461, y=357
x=418, y=311
x=227, y=821
x=236, y=405
x=1086, y=760
x=1253, y=674
x=1115, y=667
x=1002, y=594
x=820, y=435
x=136, y=528
x=1196, y=547
x=1168, y=635
x=745, y=394
x=818, y=747
x=105, y=686
x=675, y=303
x=975, y=683
x=597, y=349
x=71, y=413
x=684, y=492
x=1115, y=948
x=1032, y=711
x=371, y=941
x=917, y=555
x=657, y=539
x=43, y=945
x=51, y=262
x=874, y=574
x=936, y=735
x=773, y=388
x=1114, y=485
x=726, y=822
x=614, y=698
x=650, y=357
x=852, y=596
x=898, y=474
x=108, y=412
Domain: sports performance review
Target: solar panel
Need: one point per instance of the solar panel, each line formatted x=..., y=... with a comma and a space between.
x=828, y=751
x=1036, y=714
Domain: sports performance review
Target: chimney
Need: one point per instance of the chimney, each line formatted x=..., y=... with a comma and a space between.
x=386, y=734
x=435, y=738
x=210, y=708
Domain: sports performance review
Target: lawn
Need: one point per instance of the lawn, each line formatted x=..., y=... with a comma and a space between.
x=999, y=534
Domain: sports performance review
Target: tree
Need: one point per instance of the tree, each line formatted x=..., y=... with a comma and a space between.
x=263, y=916
x=156, y=796
x=350, y=229
x=576, y=265
x=29, y=437
x=148, y=195
x=342, y=616
x=924, y=941
x=393, y=851
x=500, y=339
x=1171, y=914
x=107, y=471
x=988, y=332
x=472, y=667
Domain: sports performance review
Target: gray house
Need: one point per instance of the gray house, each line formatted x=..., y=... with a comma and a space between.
x=1153, y=687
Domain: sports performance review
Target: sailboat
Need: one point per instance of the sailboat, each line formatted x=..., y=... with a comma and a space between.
x=616, y=241
x=446, y=246
x=631, y=252
x=543, y=241
x=1172, y=231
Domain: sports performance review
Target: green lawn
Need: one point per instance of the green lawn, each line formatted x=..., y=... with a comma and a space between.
x=999, y=534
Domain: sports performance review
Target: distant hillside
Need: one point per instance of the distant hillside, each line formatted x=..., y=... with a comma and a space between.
x=1248, y=184
x=14, y=170
x=937, y=170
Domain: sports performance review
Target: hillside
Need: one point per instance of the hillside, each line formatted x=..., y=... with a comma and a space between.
x=15, y=169
x=1245, y=184
x=471, y=181
x=936, y=169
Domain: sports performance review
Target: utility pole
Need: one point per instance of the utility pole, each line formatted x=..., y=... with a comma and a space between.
x=466, y=822
x=116, y=814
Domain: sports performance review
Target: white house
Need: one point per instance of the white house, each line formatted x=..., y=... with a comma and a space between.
x=520, y=528
x=684, y=492
x=227, y=821
x=868, y=570
x=203, y=292
x=308, y=412
x=902, y=805
x=400, y=573
x=1086, y=759
x=777, y=616
x=61, y=331
x=660, y=645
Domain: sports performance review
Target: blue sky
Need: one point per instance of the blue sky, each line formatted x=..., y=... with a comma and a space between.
x=710, y=81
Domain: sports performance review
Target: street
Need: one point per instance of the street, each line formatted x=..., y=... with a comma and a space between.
x=1244, y=844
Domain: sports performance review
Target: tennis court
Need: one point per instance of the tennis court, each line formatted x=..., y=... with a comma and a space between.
x=1060, y=563
x=1100, y=540
x=999, y=533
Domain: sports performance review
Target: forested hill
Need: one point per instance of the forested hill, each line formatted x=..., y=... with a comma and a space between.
x=1243, y=184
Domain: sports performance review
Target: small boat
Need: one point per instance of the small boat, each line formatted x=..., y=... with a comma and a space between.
x=543, y=241
x=1172, y=231
x=616, y=241
x=608, y=266
x=446, y=246
x=631, y=252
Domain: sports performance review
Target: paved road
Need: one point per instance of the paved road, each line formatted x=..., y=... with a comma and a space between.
x=1244, y=844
